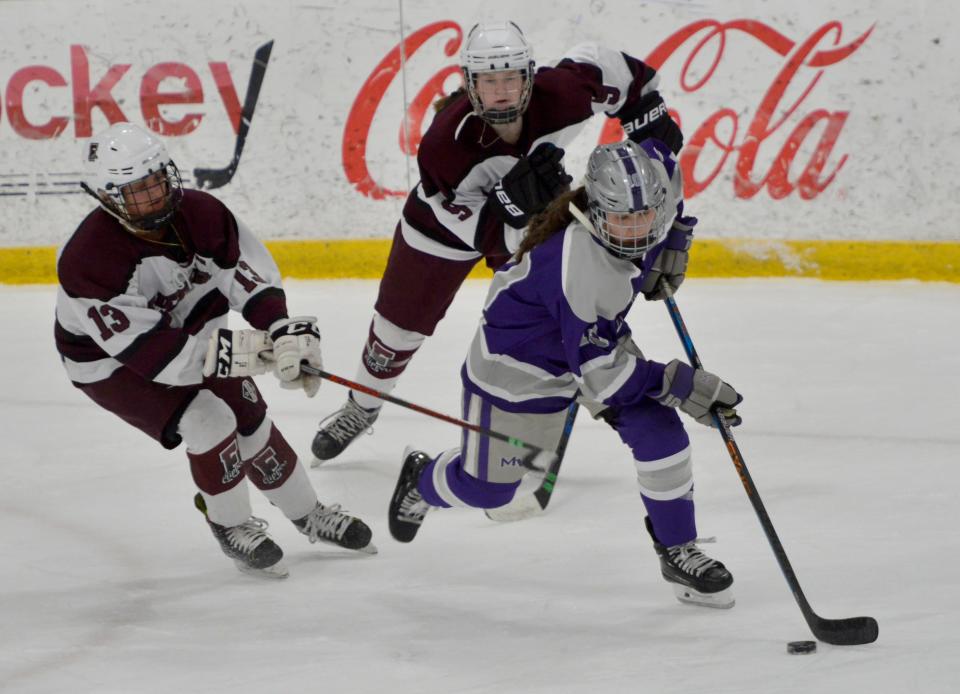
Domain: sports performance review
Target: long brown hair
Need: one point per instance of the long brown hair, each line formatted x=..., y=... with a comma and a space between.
x=553, y=219
x=445, y=101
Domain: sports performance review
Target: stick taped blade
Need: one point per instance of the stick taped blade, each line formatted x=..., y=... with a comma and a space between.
x=521, y=508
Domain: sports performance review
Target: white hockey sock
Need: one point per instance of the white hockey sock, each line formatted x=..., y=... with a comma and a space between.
x=296, y=497
x=384, y=385
x=231, y=507
x=388, y=350
x=206, y=423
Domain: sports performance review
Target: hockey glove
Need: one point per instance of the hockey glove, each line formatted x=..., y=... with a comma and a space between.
x=530, y=185
x=296, y=340
x=237, y=353
x=698, y=393
x=647, y=118
x=669, y=261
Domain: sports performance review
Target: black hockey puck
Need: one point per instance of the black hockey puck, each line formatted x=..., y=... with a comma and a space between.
x=801, y=647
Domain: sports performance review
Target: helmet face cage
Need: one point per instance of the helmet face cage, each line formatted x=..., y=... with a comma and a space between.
x=497, y=47
x=136, y=202
x=621, y=179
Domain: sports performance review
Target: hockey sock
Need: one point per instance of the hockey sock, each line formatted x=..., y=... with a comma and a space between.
x=208, y=428
x=445, y=483
x=218, y=474
x=386, y=355
x=674, y=522
x=272, y=467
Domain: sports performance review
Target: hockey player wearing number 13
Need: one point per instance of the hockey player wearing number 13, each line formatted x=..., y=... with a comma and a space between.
x=146, y=283
x=554, y=326
x=491, y=158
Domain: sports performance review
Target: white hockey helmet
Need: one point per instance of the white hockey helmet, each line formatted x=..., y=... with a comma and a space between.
x=496, y=47
x=120, y=157
x=622, y=179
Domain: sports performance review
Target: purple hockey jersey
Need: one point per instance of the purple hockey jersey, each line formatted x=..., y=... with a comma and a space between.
x=554, y=323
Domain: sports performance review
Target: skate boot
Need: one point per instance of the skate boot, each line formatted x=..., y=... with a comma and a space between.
x=338, y=431
x=330, y=524
x=696, y=578
x=247, y=544
x=407, y=507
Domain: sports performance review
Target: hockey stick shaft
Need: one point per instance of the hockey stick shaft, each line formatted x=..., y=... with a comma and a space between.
x=512, y=440
x=851, y=631
x=545, y=490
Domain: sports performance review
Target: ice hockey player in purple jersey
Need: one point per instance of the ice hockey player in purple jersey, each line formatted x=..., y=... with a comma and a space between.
x=491, y=158
x=146, y=283
x=553, y=328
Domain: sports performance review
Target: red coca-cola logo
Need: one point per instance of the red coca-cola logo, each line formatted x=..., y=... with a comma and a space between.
x=804, y=63
x=90, y=92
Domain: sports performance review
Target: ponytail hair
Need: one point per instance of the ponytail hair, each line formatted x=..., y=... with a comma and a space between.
x=445, y=101
x=553, y=219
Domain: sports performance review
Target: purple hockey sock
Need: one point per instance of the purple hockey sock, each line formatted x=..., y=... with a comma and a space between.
x=469, y=490
x=427, y=489
x=673, y=521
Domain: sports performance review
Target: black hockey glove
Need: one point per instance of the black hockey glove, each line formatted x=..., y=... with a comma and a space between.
x=530, y=185
x=669, y=261
x=649, y=118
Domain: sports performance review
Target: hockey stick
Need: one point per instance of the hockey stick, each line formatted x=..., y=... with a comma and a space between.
x=527, y=461
x=207, y=179
x=529, y=505
x=840, y=632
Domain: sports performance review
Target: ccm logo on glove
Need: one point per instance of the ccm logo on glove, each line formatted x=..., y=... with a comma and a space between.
x=223, y=355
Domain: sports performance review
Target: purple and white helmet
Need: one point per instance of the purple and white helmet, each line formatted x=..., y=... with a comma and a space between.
x=621, y=178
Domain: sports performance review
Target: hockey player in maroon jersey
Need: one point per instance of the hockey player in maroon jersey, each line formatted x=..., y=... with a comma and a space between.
x=491, y=158
x=146, y=283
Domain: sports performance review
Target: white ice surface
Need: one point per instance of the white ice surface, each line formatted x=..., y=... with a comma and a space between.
x=112, y=583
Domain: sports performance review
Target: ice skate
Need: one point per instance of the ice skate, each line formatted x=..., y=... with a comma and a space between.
x=248, y=545
x=330, y=524
x=407, y=507
x=338, y=431
x=696, y=578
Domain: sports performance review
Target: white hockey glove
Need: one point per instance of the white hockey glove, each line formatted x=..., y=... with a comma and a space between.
x=698, y=393
x=237, y=353
x=296, y=340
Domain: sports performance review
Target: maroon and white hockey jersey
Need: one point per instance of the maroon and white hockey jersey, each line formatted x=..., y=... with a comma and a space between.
x=152, y=306
x=461, y=158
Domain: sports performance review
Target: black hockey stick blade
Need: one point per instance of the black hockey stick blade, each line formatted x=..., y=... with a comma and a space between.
x=853, y=631
x=207, y=179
